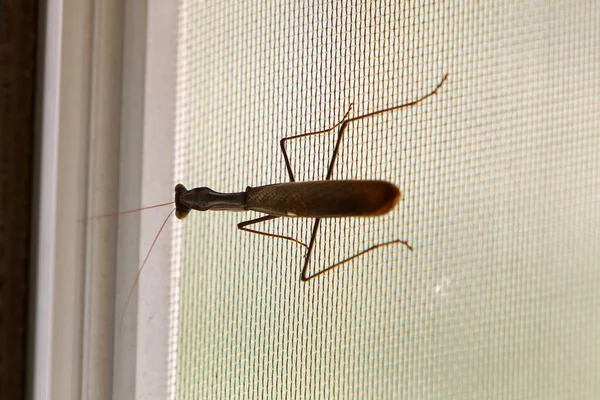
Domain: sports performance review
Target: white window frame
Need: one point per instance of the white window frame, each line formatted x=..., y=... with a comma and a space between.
x=106, y=120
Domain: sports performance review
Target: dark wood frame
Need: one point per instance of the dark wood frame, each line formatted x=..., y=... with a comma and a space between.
x=18, y=42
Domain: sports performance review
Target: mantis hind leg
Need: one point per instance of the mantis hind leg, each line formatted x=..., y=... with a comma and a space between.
x=305, y=278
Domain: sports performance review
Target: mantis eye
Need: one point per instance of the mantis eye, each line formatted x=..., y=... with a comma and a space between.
x=181, y=214
x=182, y=210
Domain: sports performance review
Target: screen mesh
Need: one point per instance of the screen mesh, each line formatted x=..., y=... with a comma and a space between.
x=500, y=200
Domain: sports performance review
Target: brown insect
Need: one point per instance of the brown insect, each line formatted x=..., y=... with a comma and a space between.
x=315, y=199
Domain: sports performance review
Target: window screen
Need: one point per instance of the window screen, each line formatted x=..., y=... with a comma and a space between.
x=500, y=201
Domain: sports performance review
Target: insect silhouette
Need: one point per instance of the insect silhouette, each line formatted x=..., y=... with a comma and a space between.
x=314, y=199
